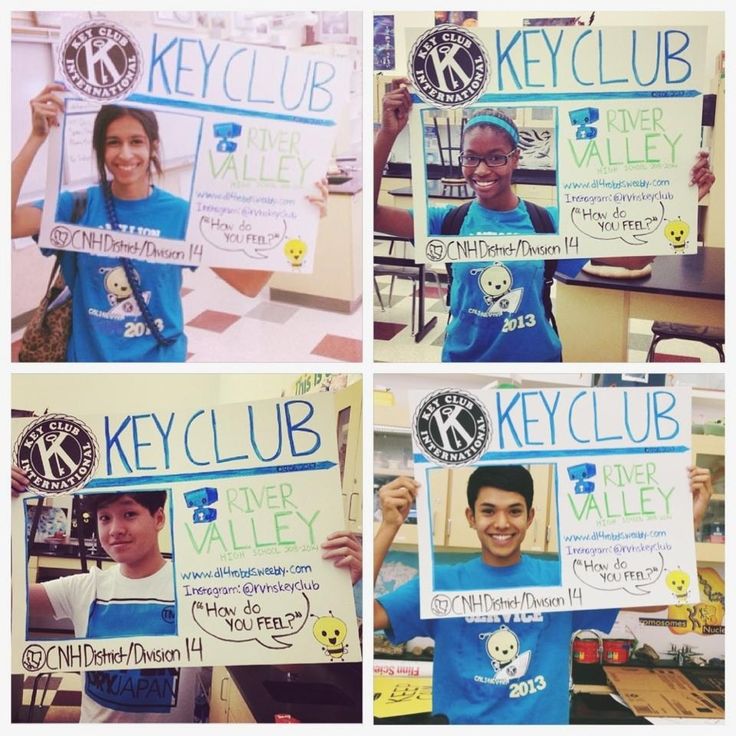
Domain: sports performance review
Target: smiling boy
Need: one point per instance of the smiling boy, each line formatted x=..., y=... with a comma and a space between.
x=515, y=668
x=135, y=597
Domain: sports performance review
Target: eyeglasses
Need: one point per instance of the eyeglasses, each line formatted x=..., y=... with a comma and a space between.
x=492, y=159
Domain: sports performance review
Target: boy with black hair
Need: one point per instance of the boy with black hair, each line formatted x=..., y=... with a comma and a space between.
x=513, y=668
x=135, y=597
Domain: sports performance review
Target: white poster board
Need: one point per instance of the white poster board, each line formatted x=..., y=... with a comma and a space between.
x=250, y=130
x=623, y=107
x=253, y=489
x=621, y=490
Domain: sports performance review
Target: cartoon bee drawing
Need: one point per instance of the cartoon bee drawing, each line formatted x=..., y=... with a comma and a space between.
x=330, y=632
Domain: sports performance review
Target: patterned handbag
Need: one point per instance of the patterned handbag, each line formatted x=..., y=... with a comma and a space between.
x=46, y=336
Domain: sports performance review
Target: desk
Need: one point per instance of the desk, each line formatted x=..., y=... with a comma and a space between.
x=593, y=313
x=403, y=266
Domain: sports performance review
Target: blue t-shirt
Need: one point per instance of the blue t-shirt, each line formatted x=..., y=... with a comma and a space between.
x=512, y=669
x=497, y=309
x=106, y=322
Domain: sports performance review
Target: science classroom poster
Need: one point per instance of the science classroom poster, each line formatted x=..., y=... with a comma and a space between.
x=617, y=460
x=253, y=489
x=245, y=132
x=615, y=112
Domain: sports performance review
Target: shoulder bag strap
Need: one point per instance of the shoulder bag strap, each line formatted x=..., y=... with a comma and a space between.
x=543, y=223
x=451, y=224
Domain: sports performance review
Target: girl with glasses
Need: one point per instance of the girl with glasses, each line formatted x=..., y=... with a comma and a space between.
x=500, y=312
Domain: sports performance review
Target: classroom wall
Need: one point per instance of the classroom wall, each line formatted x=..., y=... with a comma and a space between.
x=32, y=52
x=91, y=393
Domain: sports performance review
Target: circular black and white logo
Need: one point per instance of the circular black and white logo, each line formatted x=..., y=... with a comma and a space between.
x=57, y=453
x=34, y=658
x=448, y=66
x=101, y=61
x=440, y=604
x=452, y=427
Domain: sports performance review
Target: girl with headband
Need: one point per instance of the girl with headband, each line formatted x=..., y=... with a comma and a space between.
x=497, y=309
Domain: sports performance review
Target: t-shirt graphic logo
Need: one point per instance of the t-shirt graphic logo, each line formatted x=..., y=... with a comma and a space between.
x=101, y=61
x=452, y=427
x=495, y=282
x=503, y=648
x=58, y=454
x=448, y=66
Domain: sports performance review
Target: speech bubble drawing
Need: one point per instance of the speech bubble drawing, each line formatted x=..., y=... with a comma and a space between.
x=613, y=222
x=241, y=618
x=634, y=575
x=234, y=234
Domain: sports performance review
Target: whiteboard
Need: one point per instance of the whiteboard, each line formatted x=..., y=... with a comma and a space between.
x=179, y=135
x=32, y=68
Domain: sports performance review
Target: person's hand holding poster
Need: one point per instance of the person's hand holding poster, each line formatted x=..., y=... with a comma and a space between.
x=207, y=525
x=607, y=120
x=240, y=140
x=616, y=462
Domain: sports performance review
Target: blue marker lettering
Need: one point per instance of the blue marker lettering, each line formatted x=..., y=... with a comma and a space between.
x=601, y=59
x=551, y=413
x=553, y=51
x=181, y=68
x=216, y=442
x=137, y=444
x=673, y=56
x=157, y=63
x=251, y=79
x=207, y=64
x=596, y=417
x=165, y=437
x=186, y=439
x=627, y=422
x=504, y=57
x=299, y=86
x=526, y=419
x=318, y=85
x=226, y=75
x=661, y=415
x=293, y=427
x=504, y=418
x=570, y=422
x=635, y=58
x=574, y=59
x=528, y=60
x=253, y=440
x=114, y=441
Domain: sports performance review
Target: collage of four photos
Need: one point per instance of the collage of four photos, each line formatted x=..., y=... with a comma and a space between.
x=323, y=208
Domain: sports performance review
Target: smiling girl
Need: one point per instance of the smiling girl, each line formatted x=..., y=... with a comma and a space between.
x=499, y=311
x=122, y=309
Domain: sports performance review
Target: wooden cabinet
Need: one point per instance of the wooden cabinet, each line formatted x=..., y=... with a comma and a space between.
x=336, y=281
x=349, y=411
x=459, y=534
x=226, y=703
x=388, y=184
x=709, y=451
x=537, y=193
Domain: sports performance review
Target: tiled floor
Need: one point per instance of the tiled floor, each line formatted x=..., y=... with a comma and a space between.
x=60, y=703
x=393, y=339
x=232, y=328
